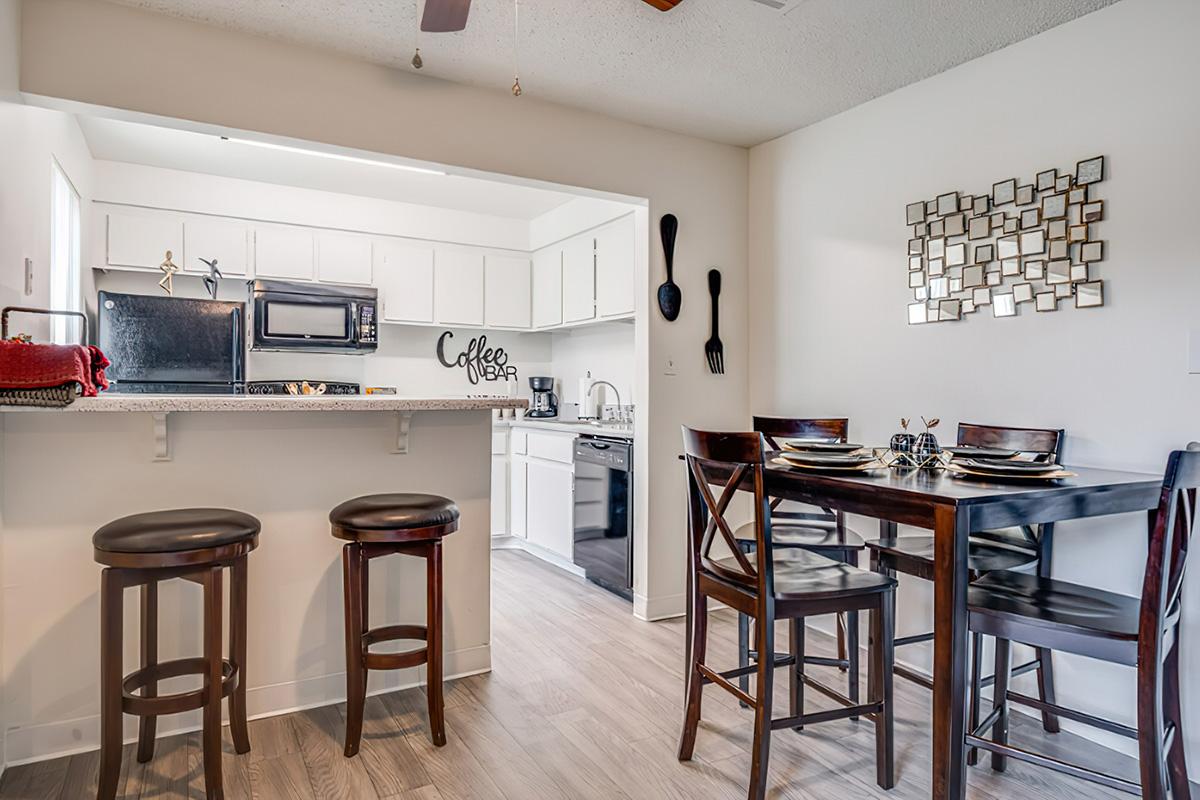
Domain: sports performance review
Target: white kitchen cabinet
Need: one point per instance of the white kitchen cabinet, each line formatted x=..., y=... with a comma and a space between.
x=343, y=258
x=284, y=253
x=506, y=292
x=458, y=287
x=579, y=279
x=518, y=496
x=615, y=260
x=500, y=488
x=551, y=507
x=547, y=287
x=227, y=241
x=142, y=240
x=404, y=276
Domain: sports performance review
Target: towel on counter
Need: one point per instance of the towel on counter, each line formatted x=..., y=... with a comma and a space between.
x=43, y=366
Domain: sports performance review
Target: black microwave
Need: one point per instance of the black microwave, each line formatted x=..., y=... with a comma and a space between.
x=312, y=317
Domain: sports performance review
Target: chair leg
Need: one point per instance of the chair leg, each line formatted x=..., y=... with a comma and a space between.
x=1045, y=681
x=743, y=653
x=796, y=673
x=852, y=656
x=433, y=641
x=213, y=599
x=976, y=690
x=239, y=616
x=1173, y=714
x=694, y=693
x=841, y=639
x=1000, y=696
x=761, y=749
x=149, y=647
x=356, y=674
x=880, y=685
x=111, y=593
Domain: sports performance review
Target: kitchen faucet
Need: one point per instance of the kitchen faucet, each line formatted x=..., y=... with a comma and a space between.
x=616, y=391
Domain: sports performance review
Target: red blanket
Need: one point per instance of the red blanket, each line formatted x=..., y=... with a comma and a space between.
x=37, y=366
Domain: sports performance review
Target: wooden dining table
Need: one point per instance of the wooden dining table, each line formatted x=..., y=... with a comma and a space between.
x=954, y=507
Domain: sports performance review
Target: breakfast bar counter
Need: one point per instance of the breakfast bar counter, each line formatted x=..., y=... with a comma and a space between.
x=66, y=472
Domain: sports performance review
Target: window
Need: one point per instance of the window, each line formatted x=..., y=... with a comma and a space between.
x=64, y=258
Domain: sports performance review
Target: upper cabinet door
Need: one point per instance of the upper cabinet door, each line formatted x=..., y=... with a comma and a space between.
x=404, y=276
x=458, y=287
x=136, y=240
x=579, y=279
x=615, y=259
x=285, y=253
x=343, y=258
x=547, y=287
x=506, y=292
x=225, y=241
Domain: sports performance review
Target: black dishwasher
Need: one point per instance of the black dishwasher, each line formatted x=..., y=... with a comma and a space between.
x=604, y=512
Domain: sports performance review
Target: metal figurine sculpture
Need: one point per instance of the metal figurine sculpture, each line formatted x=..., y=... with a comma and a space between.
x=212, y=278
x=169, y=269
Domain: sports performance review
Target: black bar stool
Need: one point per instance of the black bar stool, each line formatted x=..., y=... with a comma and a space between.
x=195, y=544
x=380, y=525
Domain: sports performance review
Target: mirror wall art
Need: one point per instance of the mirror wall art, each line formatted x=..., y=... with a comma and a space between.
x=1030, y=242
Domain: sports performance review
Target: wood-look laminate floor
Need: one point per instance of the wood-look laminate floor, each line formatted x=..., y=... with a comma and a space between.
x=583, y=702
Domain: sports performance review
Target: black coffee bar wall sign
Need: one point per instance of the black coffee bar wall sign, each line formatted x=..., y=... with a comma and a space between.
x=480, y=361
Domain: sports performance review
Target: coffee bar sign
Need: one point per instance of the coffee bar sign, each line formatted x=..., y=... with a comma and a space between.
x=481, y=362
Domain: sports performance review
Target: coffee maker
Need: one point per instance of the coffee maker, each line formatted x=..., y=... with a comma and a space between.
x=545, y=402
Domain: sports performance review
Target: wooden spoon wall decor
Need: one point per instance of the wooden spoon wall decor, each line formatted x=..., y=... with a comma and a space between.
x=670, y=298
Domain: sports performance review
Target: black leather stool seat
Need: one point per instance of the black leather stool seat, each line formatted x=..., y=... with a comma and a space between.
x=176, y=530
x=394, y=512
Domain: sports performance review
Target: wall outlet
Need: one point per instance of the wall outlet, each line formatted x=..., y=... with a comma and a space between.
x=669, y=368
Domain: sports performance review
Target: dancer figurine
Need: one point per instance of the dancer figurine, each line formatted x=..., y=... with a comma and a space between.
x=212, y=278
x=168, y=267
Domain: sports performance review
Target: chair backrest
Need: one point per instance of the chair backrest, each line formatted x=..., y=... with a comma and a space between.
x=1162, y=587
x=829, y=429
x=728, y=460
x=1045, y=442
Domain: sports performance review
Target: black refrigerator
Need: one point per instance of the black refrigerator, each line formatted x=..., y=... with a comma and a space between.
x=172, y=345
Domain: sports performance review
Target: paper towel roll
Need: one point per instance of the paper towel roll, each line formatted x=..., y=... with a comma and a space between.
x=586, y=406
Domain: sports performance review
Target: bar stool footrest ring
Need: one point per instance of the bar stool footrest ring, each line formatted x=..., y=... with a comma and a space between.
x=391, y=633
x=132, y=703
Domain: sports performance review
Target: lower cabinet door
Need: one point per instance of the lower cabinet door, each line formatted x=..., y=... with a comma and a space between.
x=517, y=506
x=500, y=493
x=551, y=509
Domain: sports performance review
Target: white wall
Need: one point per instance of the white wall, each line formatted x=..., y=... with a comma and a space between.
x=606, y=350
x=95, y=52
x=828, y=333
x=30, y=140
x=571, y=218
x=10, y=48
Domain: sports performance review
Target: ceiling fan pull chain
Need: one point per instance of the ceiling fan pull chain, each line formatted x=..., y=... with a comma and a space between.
x=516, y=87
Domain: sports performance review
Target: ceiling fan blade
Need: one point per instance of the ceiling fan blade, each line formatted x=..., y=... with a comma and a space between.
x=445, y=16
x=664, y=5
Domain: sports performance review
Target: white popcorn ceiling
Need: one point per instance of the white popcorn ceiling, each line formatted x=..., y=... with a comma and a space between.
x=733, y=71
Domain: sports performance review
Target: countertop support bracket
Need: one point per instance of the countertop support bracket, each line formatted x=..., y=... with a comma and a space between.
x=162, y=443
x=403, y=421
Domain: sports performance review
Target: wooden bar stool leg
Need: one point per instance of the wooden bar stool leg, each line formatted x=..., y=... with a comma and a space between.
x=111, y=592
x=743, y=623
x=852, y=656
x=796, y=673
x=238, y=623
x=356, y=677
x=1000, y=695
x=149, y=647
x=433, y=642
x=213, y=786
x=698, y=650
x=880, y=681
x=765, y=686
x=976, y=691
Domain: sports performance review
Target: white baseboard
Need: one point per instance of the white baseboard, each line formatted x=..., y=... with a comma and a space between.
x=654, y=609
x=549, y=556
x=25, y=745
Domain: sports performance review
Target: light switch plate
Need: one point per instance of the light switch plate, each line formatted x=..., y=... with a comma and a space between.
x=28, y=277
x=1194, y=352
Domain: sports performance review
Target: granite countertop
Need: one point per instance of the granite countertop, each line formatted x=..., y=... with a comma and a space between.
x=155, y=403
x=569, y=426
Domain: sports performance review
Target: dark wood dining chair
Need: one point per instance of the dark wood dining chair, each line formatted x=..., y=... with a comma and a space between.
x=990, y=551
x=822, y=531
x=1138, y=632
x=767, y=586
